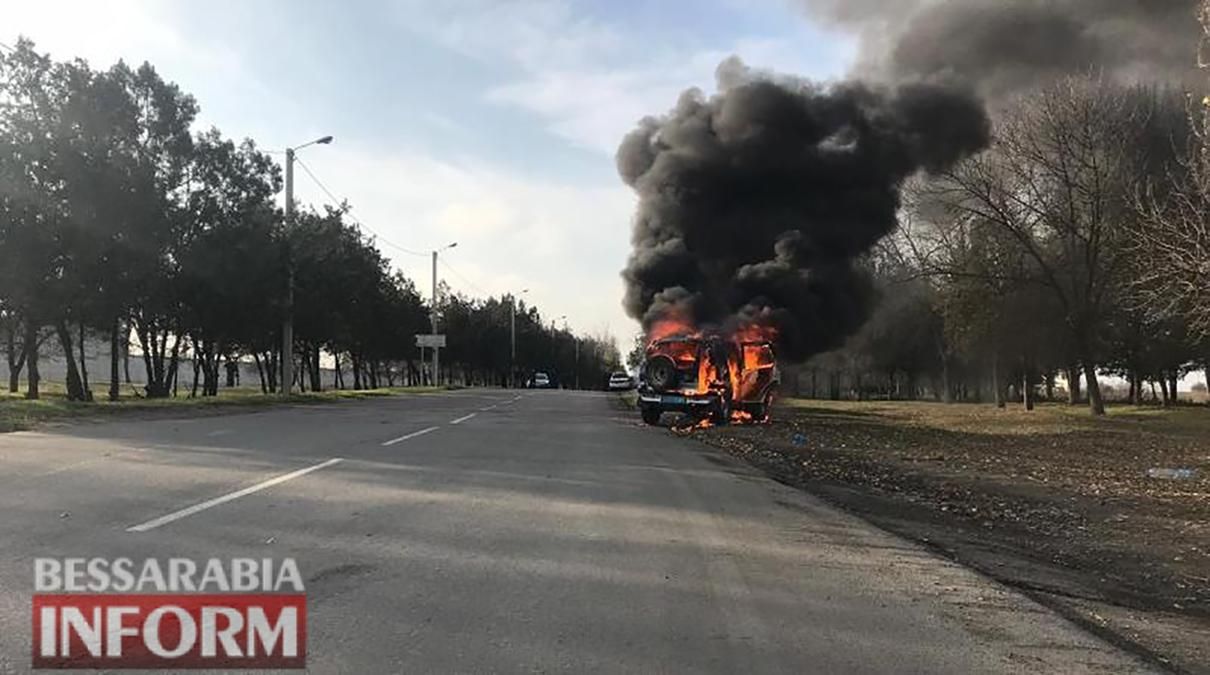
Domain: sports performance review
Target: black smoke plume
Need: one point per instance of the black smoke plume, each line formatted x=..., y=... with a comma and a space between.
x=1000, y=47
x=755, y=202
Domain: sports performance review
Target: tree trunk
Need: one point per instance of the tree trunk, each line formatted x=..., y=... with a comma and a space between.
x=338, y=376
x=197, y=366
x=148, y=348
x=16, y=360
x=210, y=366
x=75, y=389
x=1164, y=391
x=947, y=391
x=1173, y=380
x=316, y=382
x=1073, y=385
x=33, y=377
x=115, y=386
x=300, y=371
x=1027, y=389
x=997, y=386
x=271, y=370
x=159, y=381
x=174, y=361
x=86, y=388
x=124, y=344
x=260, y=370
x=356, y=367
x=1095, y=403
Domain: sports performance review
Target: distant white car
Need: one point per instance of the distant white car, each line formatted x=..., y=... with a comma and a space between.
x=541, y=381
x=620, y=381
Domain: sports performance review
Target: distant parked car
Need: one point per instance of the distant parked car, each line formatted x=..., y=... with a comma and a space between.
x=620, y=381
x=541, y=381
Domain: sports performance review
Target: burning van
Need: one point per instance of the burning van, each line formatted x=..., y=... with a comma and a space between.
x=712, y=378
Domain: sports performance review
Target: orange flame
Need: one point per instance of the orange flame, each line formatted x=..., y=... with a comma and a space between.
x=674, y=324
x=749, y=356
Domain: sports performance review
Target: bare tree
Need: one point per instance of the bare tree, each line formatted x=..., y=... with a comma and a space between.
x=1057, y=183
x=1171, y=250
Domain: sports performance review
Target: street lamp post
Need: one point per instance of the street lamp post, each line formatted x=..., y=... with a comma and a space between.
x=436, y=349
x=512, y=331
x=576, y=340
x=554, y=343
x=287, y=330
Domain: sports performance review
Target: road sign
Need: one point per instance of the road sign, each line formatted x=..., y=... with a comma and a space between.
x=430, y=341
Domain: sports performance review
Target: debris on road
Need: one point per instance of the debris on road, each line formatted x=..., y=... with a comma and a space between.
x=1172, y=474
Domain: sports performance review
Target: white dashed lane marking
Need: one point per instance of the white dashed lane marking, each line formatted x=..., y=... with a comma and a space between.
x=405, y=437
x=231, y=496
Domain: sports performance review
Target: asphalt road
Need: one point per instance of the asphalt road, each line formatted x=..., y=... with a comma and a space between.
x=545, y=532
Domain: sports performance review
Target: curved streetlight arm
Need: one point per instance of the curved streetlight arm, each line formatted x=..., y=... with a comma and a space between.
x=319, y=141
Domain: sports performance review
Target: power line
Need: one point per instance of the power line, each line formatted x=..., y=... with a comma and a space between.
x=474, y=287
x=315, y=179
x=306, y=169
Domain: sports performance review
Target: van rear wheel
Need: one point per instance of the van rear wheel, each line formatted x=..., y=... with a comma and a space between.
x=651, y=415
x=722, y=410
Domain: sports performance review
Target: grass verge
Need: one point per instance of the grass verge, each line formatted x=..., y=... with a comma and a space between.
x=17, y=413
x=626, y=400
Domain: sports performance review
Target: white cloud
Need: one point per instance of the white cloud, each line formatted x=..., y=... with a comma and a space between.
x=566, y=243
x=589, y=81
x=532, y=33
x=136, y=31
x=104, y=32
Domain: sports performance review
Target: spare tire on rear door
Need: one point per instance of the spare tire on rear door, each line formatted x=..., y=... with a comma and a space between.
x=661, y=372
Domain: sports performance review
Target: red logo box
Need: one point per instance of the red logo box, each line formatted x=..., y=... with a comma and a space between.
x=80, y=630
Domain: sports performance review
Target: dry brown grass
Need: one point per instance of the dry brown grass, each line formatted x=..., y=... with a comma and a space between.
x=1054, y=500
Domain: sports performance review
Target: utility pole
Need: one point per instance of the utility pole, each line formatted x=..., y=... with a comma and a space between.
x=575, y=340
x=436, y=349
x=287, y=329
x=555, y=345
x=436, y=359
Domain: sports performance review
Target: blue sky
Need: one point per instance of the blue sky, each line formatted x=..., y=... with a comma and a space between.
x=492, y=124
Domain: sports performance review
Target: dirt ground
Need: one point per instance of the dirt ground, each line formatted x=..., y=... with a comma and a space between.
x=1053, y=502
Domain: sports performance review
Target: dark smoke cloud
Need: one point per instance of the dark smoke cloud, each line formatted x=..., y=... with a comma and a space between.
x=1002, y=46
x=755, y=202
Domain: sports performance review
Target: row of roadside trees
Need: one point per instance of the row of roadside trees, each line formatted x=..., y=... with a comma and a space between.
x=120, y=220
x=1073, y=248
